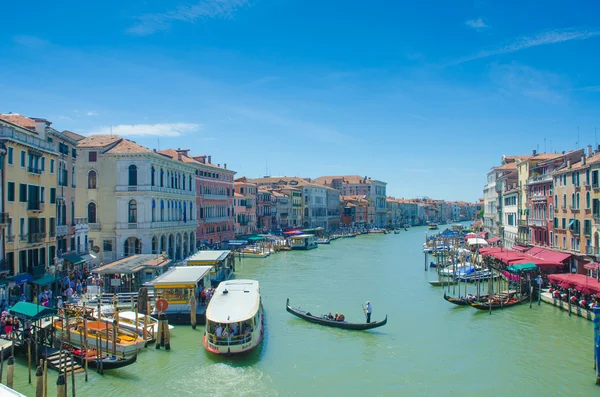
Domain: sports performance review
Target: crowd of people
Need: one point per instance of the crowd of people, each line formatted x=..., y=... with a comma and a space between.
x=585, y=301
x=228, y=332
x=337, y=317
x=206, y=295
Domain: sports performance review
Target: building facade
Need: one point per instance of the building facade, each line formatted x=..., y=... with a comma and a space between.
x=137, y=201
x=245, y=208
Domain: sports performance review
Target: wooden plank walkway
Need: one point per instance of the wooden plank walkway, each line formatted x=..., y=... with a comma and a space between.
x=54, y=362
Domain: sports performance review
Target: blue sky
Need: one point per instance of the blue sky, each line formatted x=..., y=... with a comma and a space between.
x=426, y=96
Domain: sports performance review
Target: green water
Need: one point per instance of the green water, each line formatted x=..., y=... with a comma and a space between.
x=428, y=348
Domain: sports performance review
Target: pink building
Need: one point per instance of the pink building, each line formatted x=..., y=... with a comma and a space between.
x=245, y=216
x=265, y=210
x=214, y=198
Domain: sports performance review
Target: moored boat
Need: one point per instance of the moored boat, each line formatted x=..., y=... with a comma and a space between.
x=303, y=242
x=97, y=360
x=127, y=320
x=100, y=332
x=499, y=303
x=323, y=320
x=234, y=318
x=433, y=226
x=323, y=241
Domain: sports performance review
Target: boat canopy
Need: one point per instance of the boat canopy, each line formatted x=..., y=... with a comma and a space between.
x=31, y=311
x=208, y=256
x=524, y=267
x=181, y=275
x=234, y=301
x=256, y=238
x=477, y=241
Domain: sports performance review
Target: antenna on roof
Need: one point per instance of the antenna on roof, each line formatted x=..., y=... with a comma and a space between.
x=595, y=138
x=577, y=143
x=544, y=145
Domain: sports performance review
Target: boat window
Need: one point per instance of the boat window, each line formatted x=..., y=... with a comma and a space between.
x=174, y=294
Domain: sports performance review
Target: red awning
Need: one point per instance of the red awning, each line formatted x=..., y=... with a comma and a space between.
x=493, y=240
x=548, y=255
x=482, y=234
x=520, y=248
x=591, y=266
x=580, y=282
x=293, y=232
x=488, y=251
x=542, y=264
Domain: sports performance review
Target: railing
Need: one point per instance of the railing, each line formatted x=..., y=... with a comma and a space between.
x=81, y=220
x=577, y=188
x=216, y=219
x=539, y=197
x=540, y=179
x=95, y=226
x=574, y=209
x=35, y=206
x=155, y=225
x=62, y=230
x=210, y=196
x=249, y=205
x=51, y=234
x=149, y=188
x=522, y=222
x=592, y=251
x=521, y=241
x=35, y=237
x=230, y=340
x=34, y=170
x=11, y=133
x=538, y=222
x=132, y=226
x=10, y=238
x=23, y=238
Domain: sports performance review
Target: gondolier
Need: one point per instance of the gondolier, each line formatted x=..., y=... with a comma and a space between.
x=368, y=310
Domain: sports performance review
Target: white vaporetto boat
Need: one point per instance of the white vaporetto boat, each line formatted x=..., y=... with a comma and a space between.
x=234, y=318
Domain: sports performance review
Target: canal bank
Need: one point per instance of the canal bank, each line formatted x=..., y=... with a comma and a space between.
x=429, y=347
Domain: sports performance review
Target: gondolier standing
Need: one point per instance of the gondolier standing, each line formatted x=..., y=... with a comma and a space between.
x=368, y=310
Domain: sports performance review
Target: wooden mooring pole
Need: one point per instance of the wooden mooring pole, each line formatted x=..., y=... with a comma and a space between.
x=39, y=380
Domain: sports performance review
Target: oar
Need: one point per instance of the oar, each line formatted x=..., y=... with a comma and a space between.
x=364, y=311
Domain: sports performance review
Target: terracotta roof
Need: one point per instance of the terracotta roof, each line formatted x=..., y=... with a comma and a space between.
x=127, y=146
x=276, y=179
x=507, y=166
x=172, y=153
x=346, y=179
x=98, y=141
x=18, y=119
x=595, y=158
x=72, y=135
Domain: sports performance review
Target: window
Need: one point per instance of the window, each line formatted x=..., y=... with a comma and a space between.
x=132, y=211
x=92, y=213
x=52, y=195
x=152, y=172
x=153, y=211
x=23, y=158
x=10, y=196
x=92, y=157
x=92, y=179
x=162, y=177
x=43, y=164
x=107, y=246
x=587, y=200
x=132, y=175
x=52, y=166
x=74, y=153
x=22, y=192
x=10, y=155
x=73, y=177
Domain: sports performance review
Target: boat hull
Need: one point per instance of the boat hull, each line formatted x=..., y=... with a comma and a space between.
x=332, y=323
x=254, y=340
x=496, y=306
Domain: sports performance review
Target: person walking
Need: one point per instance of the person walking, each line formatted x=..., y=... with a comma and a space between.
x=368, y=310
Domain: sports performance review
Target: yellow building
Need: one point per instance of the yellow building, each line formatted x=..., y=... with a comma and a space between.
x=29, y=187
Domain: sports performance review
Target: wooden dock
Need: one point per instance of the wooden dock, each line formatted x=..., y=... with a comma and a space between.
x=577, y=310
x=54, y=360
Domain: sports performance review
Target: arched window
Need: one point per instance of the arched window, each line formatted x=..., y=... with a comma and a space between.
x=92, y=180
x=556, y=201
x=578, y=201
x=152, y=172
x=154, y=245
x=132, y=211
x=573, y=200
x=92, y=213
x=587, y=200
x=191, y=212
x=564, y=201
x=153, y=211
x=162, y=178
x=132, y=175
x=190, y=183
x=162, y=211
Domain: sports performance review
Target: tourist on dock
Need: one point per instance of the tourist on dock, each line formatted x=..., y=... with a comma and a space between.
x=23, y=298
x=368, y=310
x=60, y=305
x=8, y=327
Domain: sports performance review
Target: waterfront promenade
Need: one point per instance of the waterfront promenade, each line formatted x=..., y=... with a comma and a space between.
x=428, y=347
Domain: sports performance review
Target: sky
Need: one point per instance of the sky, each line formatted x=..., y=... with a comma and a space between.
x=426, y=96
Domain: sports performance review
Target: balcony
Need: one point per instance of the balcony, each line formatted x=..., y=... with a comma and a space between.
x=34, y=238
x=52, y=234
x=155, y=225
x=148, y=188
x=592, y=251
x=222, y=197
x=216, y=219
x=10, y=238
x=539, y=198
x=27, y=138
x=35, y=206
x=574, y=210
x=95, y=226
x=577, y=188
x=522, y=241
x=23, y=238
x=4, y=218
x=62, y=230
x=523, y=222
x=34, y=170
x=539, y=179
x=248, y=205
x=538, y=222
x=595, y=185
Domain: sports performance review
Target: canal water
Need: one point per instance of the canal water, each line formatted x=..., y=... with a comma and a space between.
x=428, y=347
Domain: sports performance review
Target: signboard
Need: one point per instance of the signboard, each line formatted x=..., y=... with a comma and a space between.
x=115, y=282
x=162, y=305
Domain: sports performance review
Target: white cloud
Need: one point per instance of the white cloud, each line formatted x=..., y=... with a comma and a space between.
x=91, y=113
x=521, y=80
x=150, y=23
x=167, y=129
x=477, y=23
x=544, y=38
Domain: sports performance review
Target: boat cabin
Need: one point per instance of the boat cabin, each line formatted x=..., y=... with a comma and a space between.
x=222, y=263
x=234, y=318
x=130, y=273
x=303, y=242
x=177, y=285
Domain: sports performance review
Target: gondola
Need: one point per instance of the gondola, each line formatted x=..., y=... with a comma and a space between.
x=498, y=305
x=103, y=362
x=457, y=301
x=332, y=323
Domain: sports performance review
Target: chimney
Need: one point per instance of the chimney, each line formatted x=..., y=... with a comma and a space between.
x=154, y=150
x=40, y=127
x=219, y=165
x=225, y=165
x=568, y=163
x=200, y=159
x=178, y=155
x=589, y=150
x=209, y=159
x=534, y=152
x=583, y=160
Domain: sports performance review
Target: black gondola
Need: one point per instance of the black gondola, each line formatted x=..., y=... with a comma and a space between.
x=457, y=301
x=103, y=362
x=332, y=323
x=498, y=305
